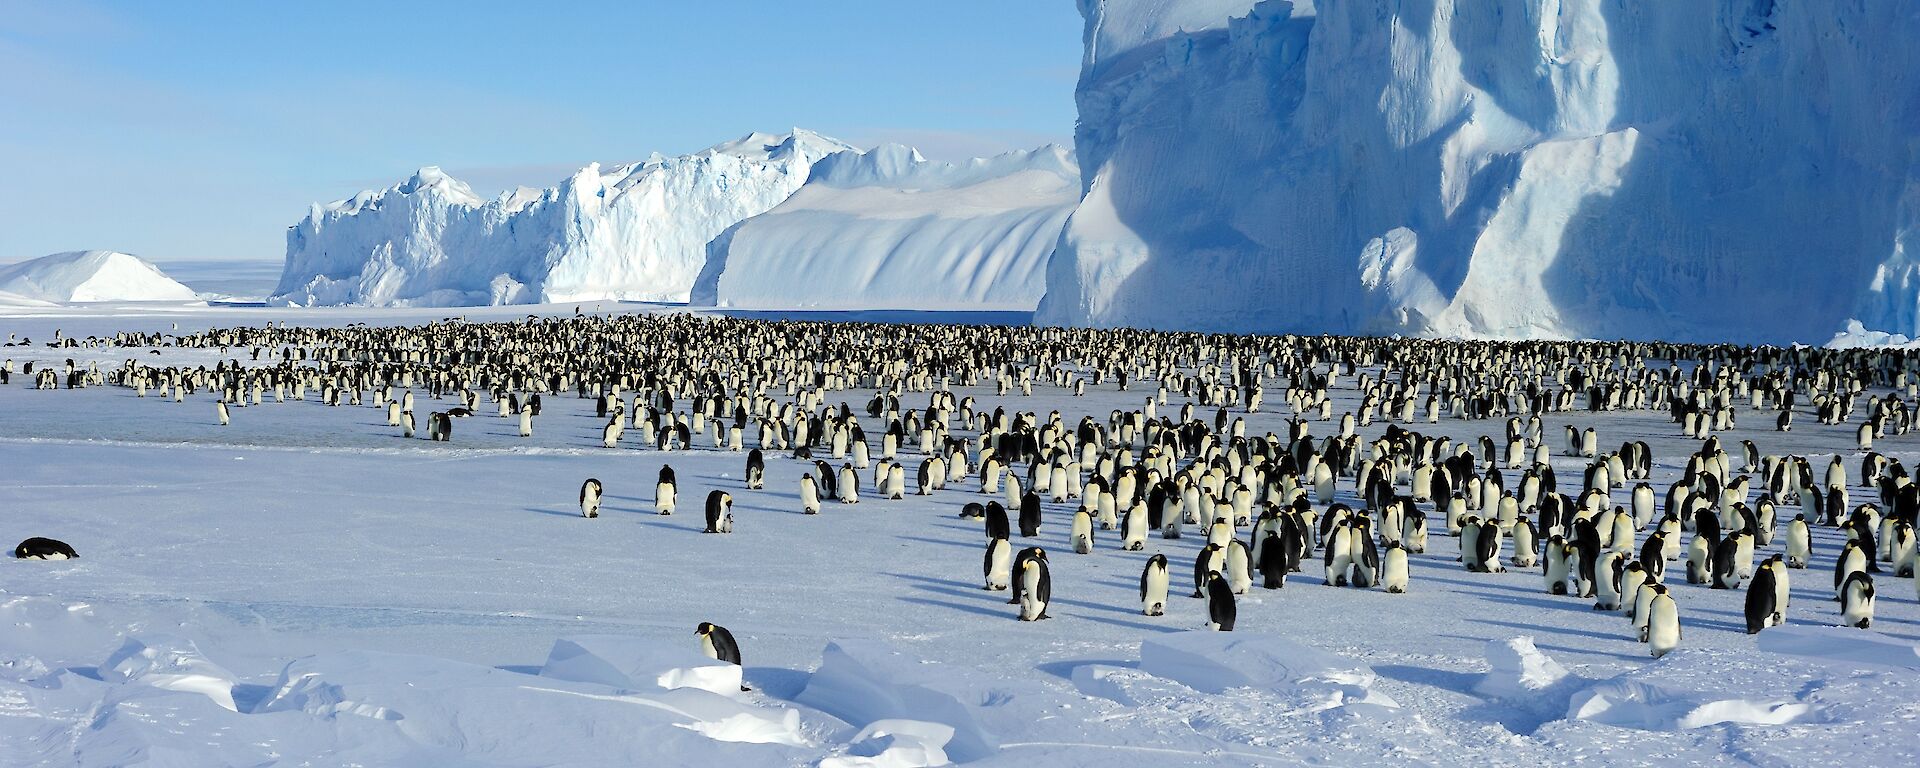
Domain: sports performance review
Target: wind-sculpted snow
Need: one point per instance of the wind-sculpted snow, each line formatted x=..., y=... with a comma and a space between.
x=888, y=229
x=632, y=232
x=1716, y=170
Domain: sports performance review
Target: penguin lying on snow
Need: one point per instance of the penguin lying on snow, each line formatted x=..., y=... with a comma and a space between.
x=39, y=548
x=718, y=644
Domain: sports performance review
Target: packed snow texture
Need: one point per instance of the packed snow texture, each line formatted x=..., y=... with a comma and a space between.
x=304, y=586
x=889, y=229
x=88, y=277
x=1732, y=170
x=632, y=232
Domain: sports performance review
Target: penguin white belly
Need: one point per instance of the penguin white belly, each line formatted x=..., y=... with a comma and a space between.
x=1031, y=606
x=1134, y=534
x=1154, y=603
x=1393, y=569
x=1663, y=625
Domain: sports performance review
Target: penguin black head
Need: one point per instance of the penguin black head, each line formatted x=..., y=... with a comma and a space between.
x=705, y=628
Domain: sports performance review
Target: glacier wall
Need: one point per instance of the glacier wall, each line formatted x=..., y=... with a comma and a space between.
x=633, y=232
x=1706, y=169
x=889, y=229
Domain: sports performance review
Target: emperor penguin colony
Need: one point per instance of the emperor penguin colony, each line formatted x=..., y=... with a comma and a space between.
x=1315, y=484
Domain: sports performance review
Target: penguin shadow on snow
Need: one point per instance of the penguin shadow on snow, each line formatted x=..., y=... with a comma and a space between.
x=999, y=608
x=942, y=542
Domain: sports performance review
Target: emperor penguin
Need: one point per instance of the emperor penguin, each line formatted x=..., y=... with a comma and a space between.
x=849, y=485
x=1272, y=562
x=1211, y=559
x=1020, y=568
x=1631, y=577
x=1220, y=608
x=1153, y=586
x=1239, y=567
x=1393, y=568
x=719, y=645
x=1133, y=534
x=1608, y=572
x=664, y=491
x=1761, y=611
x=1852, y=559
x=1487, y=549
x=1557, y=570
x=1663, y=623
x=590, y=498
x=996, y=520
x=1337, y=555
x=1725, y=563
x=42, y=548
x=1029, y=515
x=756, y=470
x=896, y=482
x=809, y=495
x=1365, y=556
x=1902, y=548
x=1413, y=533
x=998, y=565
x=1699, y=560
x=719, y=512
x=1036, y=588
x=220, y=409
x=1469, y=541
x=1641, y=607
x=1856, y=600
x=1082, y=535
x=1525, y=544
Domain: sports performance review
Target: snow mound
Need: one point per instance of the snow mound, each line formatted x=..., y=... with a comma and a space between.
x=889, y=229
x=1216, y=662
x=1696, y=688
x=1651, y=707
x=1520, y=672
x=895, y=744
x=626, y=662
x=1841, y=644
x=865, y=682
x=486, y=713
x=1540, y=168
x=172, y=664
x=631, y=232
x=77, y=277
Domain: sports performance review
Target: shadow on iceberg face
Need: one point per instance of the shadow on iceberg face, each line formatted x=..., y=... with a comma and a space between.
x=1751, y=210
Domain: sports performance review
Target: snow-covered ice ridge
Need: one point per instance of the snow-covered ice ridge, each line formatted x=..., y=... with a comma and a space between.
x=632, y=232
x=79, y=277
x=1732, y=170
x=889, y=229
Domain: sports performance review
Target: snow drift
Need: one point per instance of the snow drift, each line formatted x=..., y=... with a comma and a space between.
x=633, y=232
x=88, y=276
x=1733, y=170
x=889, y=229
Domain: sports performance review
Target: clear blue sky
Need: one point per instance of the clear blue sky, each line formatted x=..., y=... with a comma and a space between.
x=200, y=130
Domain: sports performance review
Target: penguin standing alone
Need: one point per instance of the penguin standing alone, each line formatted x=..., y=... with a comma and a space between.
x=1036, y=588
x=1220, y=608
x=719, y=512
x=1153, y=586
x=809, y=495
x=664, y=491
x=590, y=498
x=997, y=567
x=718, y=644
